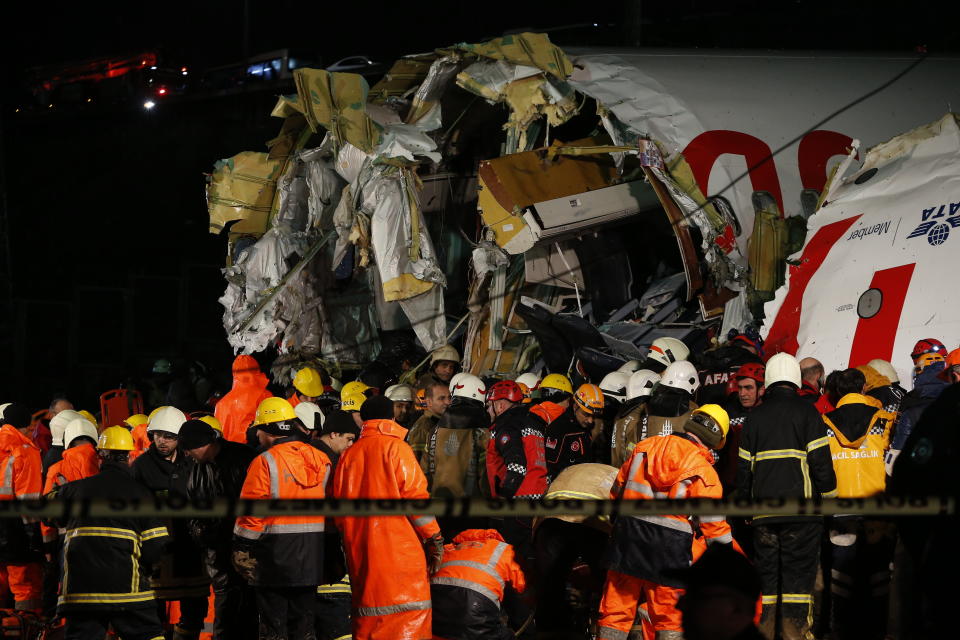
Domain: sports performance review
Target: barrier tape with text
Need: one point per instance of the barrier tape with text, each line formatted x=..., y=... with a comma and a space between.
x=172, y=507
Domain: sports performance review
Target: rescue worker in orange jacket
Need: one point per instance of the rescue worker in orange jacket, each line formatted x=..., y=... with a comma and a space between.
x=282, y=556
x=468, y=588
x=236, y=410
x=385, y=554
x=645, y=550
x=20, y=539
x=555, y=394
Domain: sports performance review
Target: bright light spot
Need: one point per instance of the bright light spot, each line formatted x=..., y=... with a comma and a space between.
x=143, y=63
x=89, y=99
x=149, y=104
x=183, y=69
x=161, y=91
x=17, y=110
x=49, y=106
x=153, y=68
x=183, y=73
x=595, y=24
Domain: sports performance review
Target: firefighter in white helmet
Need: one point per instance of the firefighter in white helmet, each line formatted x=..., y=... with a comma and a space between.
x=664, y=352
x=640, y=385
x=444, y=363
x=404, y=412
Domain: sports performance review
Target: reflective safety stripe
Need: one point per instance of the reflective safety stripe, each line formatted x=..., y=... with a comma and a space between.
x=103, y=532
x=639, y=487
x=682, y=488
x=745, y=455
x=243, y=532
x=28, y=496
x=572, y=495
x=635, y=465
x=394, y=608
x=474, y=565
x=776, y=454
x=609, y=633
x=422, y=521
x=274, y=474
x=712, y=518
x=26, y=605
x=7, y=488
x=796, y=598
x=830, y=494
x=467, y=584
x=816, y=444
x=150, y=534
x=334, y=588
x=497, y=554
x=303, y=527
x=349, y=636
x=105, y=598
x=666, y=521
x=769, y=599
x=726, y=538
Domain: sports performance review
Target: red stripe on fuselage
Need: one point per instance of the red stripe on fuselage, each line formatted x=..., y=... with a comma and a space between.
x=875, y=336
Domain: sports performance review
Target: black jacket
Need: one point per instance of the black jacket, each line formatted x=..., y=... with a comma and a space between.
x=716, y=367
x=106, y=561
x=221, y=478
x=182, y=573
x=53, y=455
x=784, y=452
x=566, y=443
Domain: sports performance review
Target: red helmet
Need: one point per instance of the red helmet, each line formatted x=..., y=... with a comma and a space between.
x=751, y=370
x=505, y=390
x=928, y=345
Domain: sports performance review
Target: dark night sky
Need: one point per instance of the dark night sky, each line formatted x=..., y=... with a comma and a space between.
x=114, y=200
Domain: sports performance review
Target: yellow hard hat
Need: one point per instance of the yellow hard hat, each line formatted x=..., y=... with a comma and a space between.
x=136, y=420
x=557, y=381
x=351, y=388
x=308, y=382
x=213, y=422
x=116, y=439
x=89, y=416
x=710, y=423
x=274, y=410
x=352, y=402
x=589, y=398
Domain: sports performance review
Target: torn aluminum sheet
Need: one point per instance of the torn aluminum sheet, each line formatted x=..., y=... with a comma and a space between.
x=242, y=189
x=528, y=49
x=404, y=77
x=487, y=78
x=324, y=187
x=887, y=230
x=553, y=265
x=337, y=101
x=426, y=100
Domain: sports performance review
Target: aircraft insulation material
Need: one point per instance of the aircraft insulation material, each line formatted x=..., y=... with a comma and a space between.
x=878, y=269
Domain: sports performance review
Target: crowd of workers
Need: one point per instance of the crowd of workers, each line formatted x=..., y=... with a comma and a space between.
x=676, y=425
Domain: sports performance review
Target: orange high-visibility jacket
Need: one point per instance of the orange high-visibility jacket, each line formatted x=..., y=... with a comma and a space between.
x=141, y=441
x=77, y=463
x=547, y=410
x=388, y=568
x=19, y=466
x=237, y=409
x=481, y=561
x=288, y=549
x=674, y=467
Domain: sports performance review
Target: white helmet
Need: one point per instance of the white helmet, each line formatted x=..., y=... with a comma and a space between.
x=77, y=428
x=454, y=380
x=401, y=392
x=168, y=419
x=629, y=367
x=614, y=384
x=59, y=422
x=531, y=380
x=782, y=367
x=681, y=375
x=666, y=351
x=470, y=386
x=3, y=407
x=641, y=383
x=885, y=369
x=308, y=412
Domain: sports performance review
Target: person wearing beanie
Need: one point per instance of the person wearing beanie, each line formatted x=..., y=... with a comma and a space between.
x=338, y=433
x=219, y=470
x=386, y=557
x=646, y=552
x=21, y=547
x=282, y=556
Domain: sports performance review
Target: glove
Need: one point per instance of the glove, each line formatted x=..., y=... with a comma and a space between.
x=433, y=547
x=244, y=563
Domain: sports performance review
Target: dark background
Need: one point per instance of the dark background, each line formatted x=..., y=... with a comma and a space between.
x=107, y=262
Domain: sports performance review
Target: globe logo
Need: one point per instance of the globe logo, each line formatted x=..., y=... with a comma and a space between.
x=938, y=234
